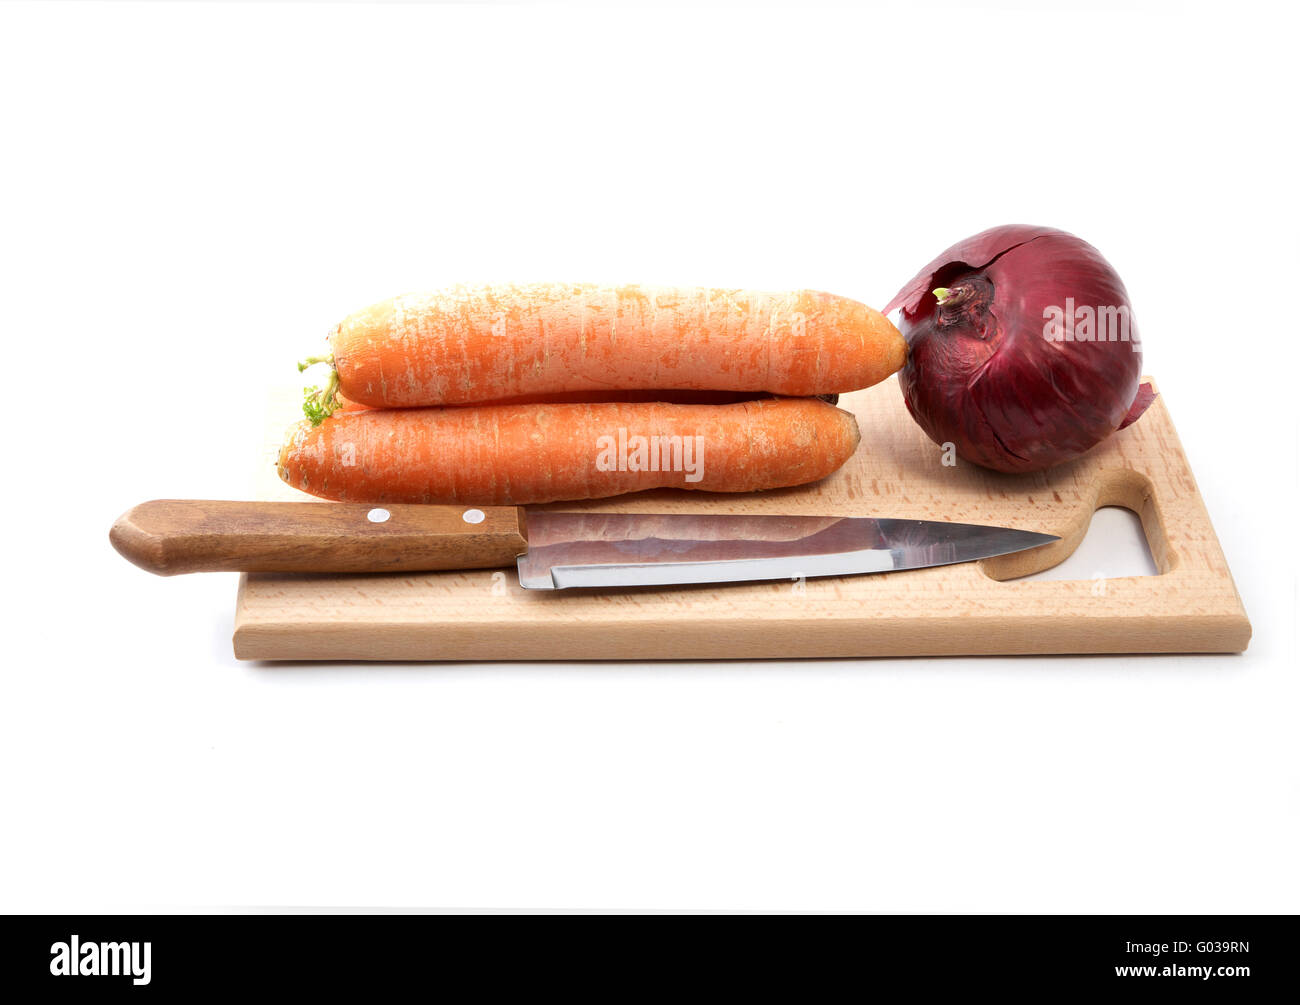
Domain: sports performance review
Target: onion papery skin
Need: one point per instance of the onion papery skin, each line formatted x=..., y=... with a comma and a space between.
x=981, y=371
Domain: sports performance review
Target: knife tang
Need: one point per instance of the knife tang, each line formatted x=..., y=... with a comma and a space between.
x=171, y=536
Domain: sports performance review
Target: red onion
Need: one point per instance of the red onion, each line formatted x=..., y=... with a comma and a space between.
x=1027, y=355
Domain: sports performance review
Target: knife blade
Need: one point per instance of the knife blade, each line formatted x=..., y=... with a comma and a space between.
x=552, y=550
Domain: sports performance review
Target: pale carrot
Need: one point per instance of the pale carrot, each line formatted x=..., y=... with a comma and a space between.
x=474, y=344
x=516, y=454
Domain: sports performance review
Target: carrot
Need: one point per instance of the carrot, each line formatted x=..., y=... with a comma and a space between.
x=473, y=344
x=344, y=404
x=516, y=454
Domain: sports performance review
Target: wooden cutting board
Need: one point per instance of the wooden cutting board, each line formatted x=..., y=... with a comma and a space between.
x=1191, y=606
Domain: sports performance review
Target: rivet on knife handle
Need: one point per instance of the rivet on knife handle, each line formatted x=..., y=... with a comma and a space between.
x=170, y=536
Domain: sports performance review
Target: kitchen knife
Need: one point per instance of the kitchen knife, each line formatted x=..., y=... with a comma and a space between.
x=553, y=550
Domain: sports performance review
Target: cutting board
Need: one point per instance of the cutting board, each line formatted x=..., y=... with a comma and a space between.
x=1192, y=605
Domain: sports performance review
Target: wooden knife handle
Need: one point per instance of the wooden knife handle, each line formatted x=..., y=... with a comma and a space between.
x=170, y=536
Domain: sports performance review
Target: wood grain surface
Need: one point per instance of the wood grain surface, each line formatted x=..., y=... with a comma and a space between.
x=171, y=536
x=976, y=608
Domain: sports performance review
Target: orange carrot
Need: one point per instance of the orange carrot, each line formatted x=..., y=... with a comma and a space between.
x=475, y=344
x=344, y=404
x=516, y=454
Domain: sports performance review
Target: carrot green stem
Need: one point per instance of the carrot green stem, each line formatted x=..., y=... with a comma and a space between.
x=319, y=403
x=313, y=360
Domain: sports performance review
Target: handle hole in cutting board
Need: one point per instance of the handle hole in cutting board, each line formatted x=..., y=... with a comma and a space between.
x=1133, y=542
x=1115, y=546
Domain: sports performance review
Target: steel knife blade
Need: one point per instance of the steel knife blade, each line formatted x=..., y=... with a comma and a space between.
x=601, y=550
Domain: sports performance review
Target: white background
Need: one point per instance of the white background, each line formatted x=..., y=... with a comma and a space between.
x=192, y=194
